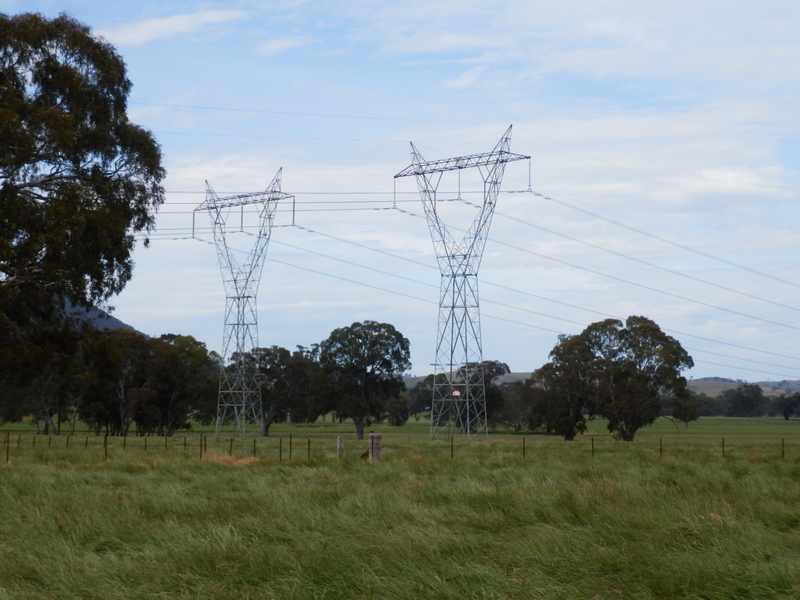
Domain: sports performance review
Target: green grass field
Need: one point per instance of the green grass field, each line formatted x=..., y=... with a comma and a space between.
x=663, y=517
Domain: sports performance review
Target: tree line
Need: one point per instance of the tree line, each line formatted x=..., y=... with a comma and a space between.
x=122, y=382
x=627, y=373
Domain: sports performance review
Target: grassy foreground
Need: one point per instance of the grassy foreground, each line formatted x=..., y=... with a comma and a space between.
x=561, y=523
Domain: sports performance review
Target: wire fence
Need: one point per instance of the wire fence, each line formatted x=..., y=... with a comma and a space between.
x=89, y=448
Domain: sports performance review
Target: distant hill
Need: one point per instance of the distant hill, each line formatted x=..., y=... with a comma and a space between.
x=711, y=386
x=98, y=318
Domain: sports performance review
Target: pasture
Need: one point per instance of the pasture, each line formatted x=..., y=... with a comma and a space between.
x=665, y=516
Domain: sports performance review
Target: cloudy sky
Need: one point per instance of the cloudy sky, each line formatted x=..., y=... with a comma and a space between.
x=664, y=138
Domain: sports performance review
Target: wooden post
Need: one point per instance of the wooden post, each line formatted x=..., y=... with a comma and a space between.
x=86, y=443
x=592, y=446
x=145, y=442
x=165, y=442
x=230, y=449
x=340, y=447
x=184, y=443
x=375, y=447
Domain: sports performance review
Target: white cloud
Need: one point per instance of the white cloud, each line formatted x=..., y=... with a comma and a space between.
x=741, y=181
x=465, y=80
x=283, y=43
x=136, y=34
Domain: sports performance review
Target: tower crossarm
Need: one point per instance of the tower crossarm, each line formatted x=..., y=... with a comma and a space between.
x=461, y=162
x=272, y=194
x=216, y=203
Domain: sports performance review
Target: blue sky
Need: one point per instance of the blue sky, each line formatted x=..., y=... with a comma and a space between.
x=664, y=140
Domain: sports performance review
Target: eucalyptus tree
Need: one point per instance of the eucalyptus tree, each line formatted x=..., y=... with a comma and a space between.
x=365, y=362
x=78, y=179
x=623, y=372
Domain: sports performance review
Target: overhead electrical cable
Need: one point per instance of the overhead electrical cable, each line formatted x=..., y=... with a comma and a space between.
x=512, y=321
x=656, y=181
x=420, y=263
x=644, y=262
x=665, y=240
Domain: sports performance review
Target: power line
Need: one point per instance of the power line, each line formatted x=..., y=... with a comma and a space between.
x=507, y=320
x=656, y=181
x=620, y=279
x=646, y=263
x=664, y=240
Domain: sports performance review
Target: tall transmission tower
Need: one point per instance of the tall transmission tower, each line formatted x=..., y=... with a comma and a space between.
x=459, y=391
x=239, y=401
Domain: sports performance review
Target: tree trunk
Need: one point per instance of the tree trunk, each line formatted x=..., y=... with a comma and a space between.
x=359, y=423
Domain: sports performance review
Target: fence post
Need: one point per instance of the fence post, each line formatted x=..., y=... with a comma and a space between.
x=309, y=448
x=592, y=446
x=230, y=449
x=254, y=447
x=375, y=447
x=184, y=443
x=86, y=443
x=340, y=447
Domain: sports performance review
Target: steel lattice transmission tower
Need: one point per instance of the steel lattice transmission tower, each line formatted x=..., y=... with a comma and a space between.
x=459, y=393
x=239, y=401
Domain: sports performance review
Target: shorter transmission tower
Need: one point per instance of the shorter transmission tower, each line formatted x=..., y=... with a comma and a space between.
x=459, y=391
x=239, y=401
